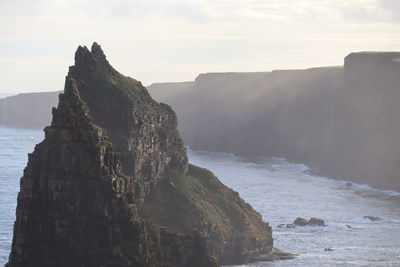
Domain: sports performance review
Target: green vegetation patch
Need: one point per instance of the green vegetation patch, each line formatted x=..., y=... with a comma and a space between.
x=197, y=200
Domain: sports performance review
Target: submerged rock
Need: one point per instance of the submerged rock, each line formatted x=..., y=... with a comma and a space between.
x=110, y=185
x=373, y=218
x=284, y=225
x=277, y=254
x=300, y=222
x=316, y=222
x=311, y=222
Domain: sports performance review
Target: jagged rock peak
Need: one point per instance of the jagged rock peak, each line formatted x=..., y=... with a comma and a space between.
x=70, y=105
x=140, y=120
x=72, y=94
x=85, y=182
x=97, y=51
x=91, y=60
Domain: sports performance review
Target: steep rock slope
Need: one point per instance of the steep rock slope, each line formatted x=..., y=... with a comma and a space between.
x=109, y=152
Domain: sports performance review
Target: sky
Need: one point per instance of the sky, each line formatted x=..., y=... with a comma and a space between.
x=175, y=40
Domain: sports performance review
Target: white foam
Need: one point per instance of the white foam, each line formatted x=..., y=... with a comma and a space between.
x=364, y=220
x=281, y=191
x=301, y=167
x=6, y=95
x=367, y=187
x=361, y=220
x=390, y=192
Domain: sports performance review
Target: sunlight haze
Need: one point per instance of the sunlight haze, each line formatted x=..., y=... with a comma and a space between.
x=161, y=41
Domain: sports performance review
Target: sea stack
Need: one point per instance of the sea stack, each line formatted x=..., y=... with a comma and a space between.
x=110, y=185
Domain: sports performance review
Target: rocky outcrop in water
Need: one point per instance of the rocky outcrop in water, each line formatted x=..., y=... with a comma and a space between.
x=311, y=222
x=373, y=218
x=111, y=156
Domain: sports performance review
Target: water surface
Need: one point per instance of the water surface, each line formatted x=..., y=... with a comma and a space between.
x=15, y=144
x=282, y=191
x=279, y=190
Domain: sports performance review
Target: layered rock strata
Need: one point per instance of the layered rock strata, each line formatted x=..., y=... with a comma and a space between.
x=110, y=153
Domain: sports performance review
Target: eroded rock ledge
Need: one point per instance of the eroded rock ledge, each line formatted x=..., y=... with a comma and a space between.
x=110, y=185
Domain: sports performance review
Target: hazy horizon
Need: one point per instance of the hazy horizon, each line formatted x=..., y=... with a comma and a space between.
x=166, y=41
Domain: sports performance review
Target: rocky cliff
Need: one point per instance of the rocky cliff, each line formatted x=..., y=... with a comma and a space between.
x=341, y=121
x=363, y=145
x=110, y=185
x=29, y=110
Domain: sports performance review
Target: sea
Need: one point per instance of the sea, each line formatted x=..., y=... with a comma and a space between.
x=280, y=190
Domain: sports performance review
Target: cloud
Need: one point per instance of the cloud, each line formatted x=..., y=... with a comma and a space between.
x=142, y=37
x=393, y=7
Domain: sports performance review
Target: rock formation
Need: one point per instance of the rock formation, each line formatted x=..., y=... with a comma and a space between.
x=312, y=222
x=110, y=185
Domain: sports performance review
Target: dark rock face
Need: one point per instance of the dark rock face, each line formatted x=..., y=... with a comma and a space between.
x=142, y=131
x=110, y=149
x=77, y=208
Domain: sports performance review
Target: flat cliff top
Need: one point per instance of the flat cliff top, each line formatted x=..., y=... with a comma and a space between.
x=373, y=56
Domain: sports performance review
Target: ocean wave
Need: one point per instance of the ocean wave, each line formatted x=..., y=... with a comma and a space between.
x=365, y=220
x=362, y=220
x=366, y=187
x=212, y=153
